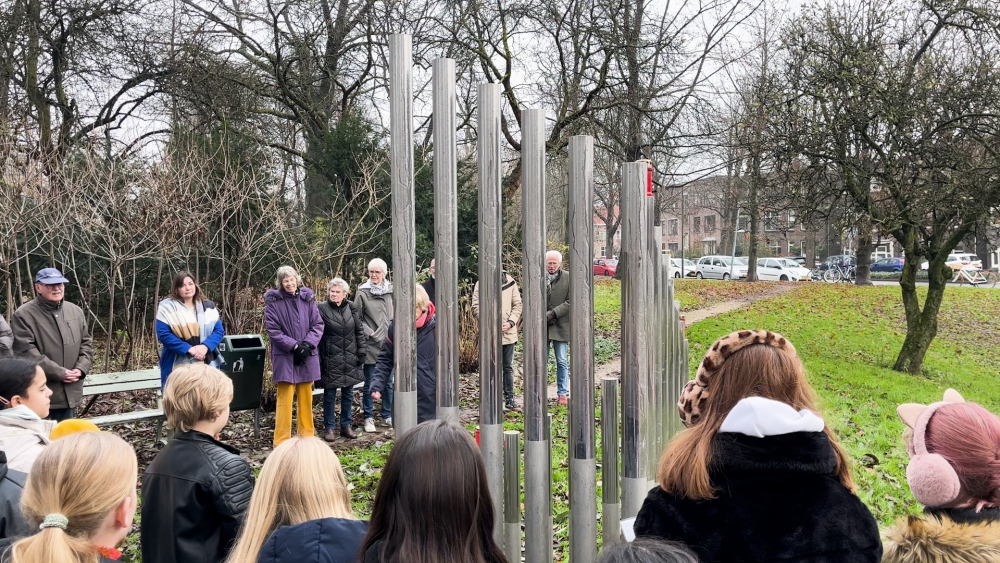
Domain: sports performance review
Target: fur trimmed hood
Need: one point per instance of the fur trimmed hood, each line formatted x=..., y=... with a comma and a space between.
x=940, y=537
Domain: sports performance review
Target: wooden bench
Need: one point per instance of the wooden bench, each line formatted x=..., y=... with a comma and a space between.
x=117, y=382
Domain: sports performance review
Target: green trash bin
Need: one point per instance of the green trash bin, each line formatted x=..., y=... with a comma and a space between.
x=243, y=361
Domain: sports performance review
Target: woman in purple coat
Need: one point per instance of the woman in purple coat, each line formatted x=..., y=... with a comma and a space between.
x=293, y=323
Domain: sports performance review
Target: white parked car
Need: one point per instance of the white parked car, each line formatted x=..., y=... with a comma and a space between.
x=719, y=267
x=690, y=268
x=960, y=261
x=781, y=269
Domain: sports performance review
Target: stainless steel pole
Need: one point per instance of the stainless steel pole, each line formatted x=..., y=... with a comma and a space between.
x=582, y=459
x=404, y=261
x=446, y=238
x=635, y=337
x=490, y=336
x=611, y=507
x=656, y=346
x=512, y=496
x=537, y=461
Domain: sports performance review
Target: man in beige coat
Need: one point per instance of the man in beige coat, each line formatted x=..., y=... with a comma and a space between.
x=53, y=332
x=511, y=313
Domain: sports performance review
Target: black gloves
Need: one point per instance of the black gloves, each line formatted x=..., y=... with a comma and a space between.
x=301, y=353
x=551, y=317
x=361, y=360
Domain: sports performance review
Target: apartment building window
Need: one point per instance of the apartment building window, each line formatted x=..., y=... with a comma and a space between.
x=672, y=226
x=776, y=248
x=602, y=252
x=770, y=221
x=674, y=246
x=697, y=224
x=709, y=223
x=792, y=248
x=791, y=218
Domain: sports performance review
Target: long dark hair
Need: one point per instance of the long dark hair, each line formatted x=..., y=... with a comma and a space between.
x=16, y=375
x=433, y=503
x=178, y=281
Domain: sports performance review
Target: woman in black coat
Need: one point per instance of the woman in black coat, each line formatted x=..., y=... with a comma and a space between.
x=426, y=358
x=757, y=476
x=342, y=351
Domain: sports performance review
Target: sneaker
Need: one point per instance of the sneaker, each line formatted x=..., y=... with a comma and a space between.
x=563, y=400
x=369, y=425
x=387, y=421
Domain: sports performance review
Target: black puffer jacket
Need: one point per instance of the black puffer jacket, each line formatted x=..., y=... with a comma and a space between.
x=777, y=500
x=194, y=497
x=343, y=347
x=426, y=367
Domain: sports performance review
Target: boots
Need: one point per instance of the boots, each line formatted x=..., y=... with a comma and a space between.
x=348, y=432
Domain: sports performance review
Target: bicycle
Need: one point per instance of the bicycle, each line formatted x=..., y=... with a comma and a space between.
x=976, y=278
x=837, y=273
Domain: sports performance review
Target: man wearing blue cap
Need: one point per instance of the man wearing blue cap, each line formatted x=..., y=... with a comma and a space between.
x=53, y=332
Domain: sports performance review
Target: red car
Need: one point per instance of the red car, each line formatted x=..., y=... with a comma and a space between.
x=605, y=267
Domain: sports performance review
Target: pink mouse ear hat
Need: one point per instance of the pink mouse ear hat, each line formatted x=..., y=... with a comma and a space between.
x=932, y=479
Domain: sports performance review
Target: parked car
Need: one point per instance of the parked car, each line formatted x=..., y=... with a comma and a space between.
x=719, y=267
x=801, y=260
x=781, y=269
x=888, y=265
x=605, y=266
x=960, y=261
x=690, y=268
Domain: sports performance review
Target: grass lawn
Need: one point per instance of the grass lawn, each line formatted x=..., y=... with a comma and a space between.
x=848, y=338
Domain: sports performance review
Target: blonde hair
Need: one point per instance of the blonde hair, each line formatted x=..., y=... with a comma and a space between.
x=195, y=392
x=286, y=272
x=420, y=299
x=759, y=370
x=301, y=481
x=83, y=477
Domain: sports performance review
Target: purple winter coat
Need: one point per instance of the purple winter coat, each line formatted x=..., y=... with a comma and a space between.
x=290, y=319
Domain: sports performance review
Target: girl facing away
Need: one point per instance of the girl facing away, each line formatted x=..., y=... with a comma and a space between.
x=300, y=511
x=81, y=495
x=954, y=472
x=757, y=476
x=433, y=502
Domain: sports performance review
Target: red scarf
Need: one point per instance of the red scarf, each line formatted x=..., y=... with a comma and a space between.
x=109, y=553
x=426, y=316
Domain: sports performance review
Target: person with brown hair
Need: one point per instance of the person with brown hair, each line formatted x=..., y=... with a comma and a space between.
x=300, y=508
x=433, y=502
x=196, y=491
x=188, y=326
x=757, y=476
x=954, y=471
x=81, y=495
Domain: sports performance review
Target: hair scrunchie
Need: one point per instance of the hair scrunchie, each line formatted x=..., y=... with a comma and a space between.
x=54, y=521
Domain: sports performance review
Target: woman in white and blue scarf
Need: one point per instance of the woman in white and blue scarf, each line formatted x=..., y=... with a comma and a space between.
x=188, y=326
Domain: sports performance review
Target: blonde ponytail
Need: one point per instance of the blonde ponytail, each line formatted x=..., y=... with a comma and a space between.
x=73, y=486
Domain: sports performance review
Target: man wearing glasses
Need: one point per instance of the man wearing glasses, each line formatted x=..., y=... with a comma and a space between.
x=374, y=304
x=53, y=332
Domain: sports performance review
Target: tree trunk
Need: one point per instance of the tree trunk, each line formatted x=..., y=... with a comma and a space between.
x=865, y=248
x=319, y=192
x=921, y=325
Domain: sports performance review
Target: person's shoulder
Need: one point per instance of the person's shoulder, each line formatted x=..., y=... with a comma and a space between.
x=272, y=295
x=27, y=308
x=306, y=294
x=208, y=304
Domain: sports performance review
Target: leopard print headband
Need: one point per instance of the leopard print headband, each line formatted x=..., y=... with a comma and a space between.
x=696, y=391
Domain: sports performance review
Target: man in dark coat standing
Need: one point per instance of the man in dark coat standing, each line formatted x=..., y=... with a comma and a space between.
x=6, y=339
x=558, y=319
x=54, y=333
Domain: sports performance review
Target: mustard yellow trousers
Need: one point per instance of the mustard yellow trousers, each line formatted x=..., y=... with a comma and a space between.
x=287, y=394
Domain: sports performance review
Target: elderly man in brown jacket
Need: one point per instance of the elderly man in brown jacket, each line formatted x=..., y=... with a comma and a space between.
x=510, y=297
x=53, y=332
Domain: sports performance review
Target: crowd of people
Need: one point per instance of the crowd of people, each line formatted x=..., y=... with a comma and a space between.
x=757, y=475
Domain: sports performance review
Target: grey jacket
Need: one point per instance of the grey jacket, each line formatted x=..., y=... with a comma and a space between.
x=56, y=337
x=6, y=339
x=376, y=312
x=558, y=301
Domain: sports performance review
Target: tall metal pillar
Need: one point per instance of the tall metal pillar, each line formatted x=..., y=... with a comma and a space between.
x=512, y=496
x=611, y=507
x=635, y=337
x=446, y=238
x=537, y=461
x=490, y=336
x=404, y=254
x=582, y=459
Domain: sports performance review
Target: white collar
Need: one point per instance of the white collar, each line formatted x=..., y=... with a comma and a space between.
x=20, y=412
x=760, y=417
